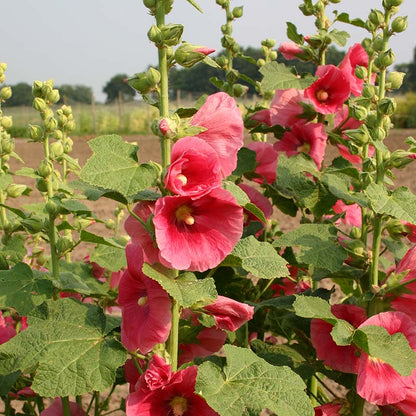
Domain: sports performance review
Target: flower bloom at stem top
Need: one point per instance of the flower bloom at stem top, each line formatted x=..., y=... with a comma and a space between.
x=197, y=234
x=162, y=392
x=224, y=128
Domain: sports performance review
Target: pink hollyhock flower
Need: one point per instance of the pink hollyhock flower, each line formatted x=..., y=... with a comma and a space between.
x=98, y=273
x=225, y=128
x=328, y=409
x=308, y=138
x=141, y=236
x=377, y=381
x=352, y=213
x=207, y=342
x=356, y=56
x=411, y=234
x=197, y=234
x=329, y=92
x=195, y=169
x=131, y=373
x=228, y=313
x=408, y=405
x=341, y=358
x=55, y=409
x=162, y=392
x=290, y=50
x=287, y=287
x=284, y=108
x=7, y=330
x=145, y=306
x=266, y=160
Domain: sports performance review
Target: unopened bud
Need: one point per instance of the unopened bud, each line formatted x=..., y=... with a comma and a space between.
x=35, y=133
x=370, y=26
x=7, y=145
x=5, y=93
x=155, y=35
x=273, y=55
x=239, y=90
x=359, y=136
x=380, y=134
x=153, y=76
x=51, y=124
x=237, y=12
x=401, y=158
x=53, y=96
x=56, y=149
x=261, y=62
x=395, y=79
x=361, y=72
x=171, y=34
x=399, y=24
x=68, y=145
x=33, y=224
x=110, y=224
x=14, y=190
x=378, y=43
x=387, y=106
x=63, y=245
x=385, y=59
x=6, y=122
x=396, y=228
x=187, y=55
x=358, y=112
x=45, y=168
x=39, y=104
x=376, y=17
x=2, y=77
x=3, y=66
x=37, y=89
x=270, y=43
x=168, y=127
x=140, y=83
x=388, y=4
x=355, y=232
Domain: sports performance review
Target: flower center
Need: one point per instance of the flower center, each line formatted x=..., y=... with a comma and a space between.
x=182, y=178
x=179, y=405
x=142, y=301
x=183, y=213
x=322, y=95
x=304, y=147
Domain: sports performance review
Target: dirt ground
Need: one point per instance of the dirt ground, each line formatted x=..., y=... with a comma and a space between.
x=149, y=149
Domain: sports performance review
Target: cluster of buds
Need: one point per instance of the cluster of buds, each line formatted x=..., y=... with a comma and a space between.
x=145, y=82
x=6, y=141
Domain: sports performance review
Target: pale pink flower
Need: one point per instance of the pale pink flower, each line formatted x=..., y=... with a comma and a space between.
x=329, y=92
x=341, y=358
x=377, y=381
x=55, y=409
x=266, y=160
x=195, y=169
x=352, y=213
x=308, y=138
x=225, y=128
x=197, y=234
x=145, y=306
x=167, y=393
x=290, y=50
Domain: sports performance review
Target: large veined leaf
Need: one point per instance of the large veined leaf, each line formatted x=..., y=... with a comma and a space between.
x=21, y=289
x=114, y=166
x=71, y=345
x=279, y=77
x=247, y=384
x=257, y=258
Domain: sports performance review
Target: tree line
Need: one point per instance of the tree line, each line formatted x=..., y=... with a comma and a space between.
x=193, y=80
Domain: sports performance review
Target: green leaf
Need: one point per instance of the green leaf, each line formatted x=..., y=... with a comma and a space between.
x=70, y=344
x=256, y=211
x=74, y=206
x=110, y=258
x=339, y=186
x=277, y=76
x=318, y=246
x=248, y=384
x=195, y=4
x=97, y=239
x=5, y=179
x=114, y=166
x=400, y=204
x=314, y=307
x=392, y=349
x=185, y=289
x=6, y=382
x=258, y=258
x=22, y=290
x=240, y=196
x=345, y=18
x=246, y=161
x=28, y=172
x=292, y=33
x=339, y=36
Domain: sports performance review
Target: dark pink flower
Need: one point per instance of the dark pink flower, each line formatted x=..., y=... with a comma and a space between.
x=377, y=381
x=411, y=234
x=228, y=313
x=197, y=234
x=225, y=129
x=141, y=236
x=207, y=342
x=352, y=213
x=131, y=373
x=7, y=330
x=266, y=160
x=145, y=306
x=308, y=138
x=356, y=56
x=328, y=409
x=55, y=409
x=167, y=394
x=341, y=358
x=408, y=405
x=329, y=92
x=195, y=169
x=290, y=50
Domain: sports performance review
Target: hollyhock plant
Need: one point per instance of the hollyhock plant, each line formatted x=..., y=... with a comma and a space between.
x=377, y=381
x=197, y=234
x=329, y=92
x=224, y=129
x=162, y=392
x=308, y=138
x=266, y=161
x=195, y=169
x=55, y=409
x=341, y=358
x=145, y=306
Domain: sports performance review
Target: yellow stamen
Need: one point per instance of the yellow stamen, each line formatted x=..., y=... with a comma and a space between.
x=322, y=95
x=182, y=178
x=183, y=213
x=304, y=147
x=142, y=301
x=179, y=405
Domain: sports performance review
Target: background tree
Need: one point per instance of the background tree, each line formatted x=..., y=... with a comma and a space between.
x=409, y=81
x=22, y=95
x=75, y=94
x=116, y=85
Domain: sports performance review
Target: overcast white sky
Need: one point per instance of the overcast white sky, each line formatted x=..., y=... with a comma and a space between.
x=88, y=41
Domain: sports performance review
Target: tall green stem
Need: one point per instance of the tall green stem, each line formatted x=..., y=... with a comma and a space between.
x=173, y=341
x=65, y=406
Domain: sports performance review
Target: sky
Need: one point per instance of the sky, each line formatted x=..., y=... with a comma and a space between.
x=87, y=42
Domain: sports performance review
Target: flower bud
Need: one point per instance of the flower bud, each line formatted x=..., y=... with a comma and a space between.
x=35, y=133
x=222, y=61
x=110, y=224
x=155, y=35
x=387, y=106
x=45, y=168
x=358, y=112
x=395, y=79
x=2, y=77
x=355, y=232
x=400, y=158
x=361, y=72
x=359, y=136
x=307, y=9
x=370, y=26
x=39, y=104
x=237, y=12
x=269, y=43
x=171, y=34
x=33, y=224
x=378, y=43
x=396, y=228
x=153, y=76
x=168, y=127
x=3, y=66
x=379, y=134
x=151, y=5
x=70, y=126
x=62, y=120
x=51, y=124
x=376, y=17
x=187, y=55
x=66, y=110
x=53, y=96
x=6, y=122
x=5, y=93
x=7, y=145
x=273, y=55
x=63, y=245
x=37, y=89
x=385, y=59
x=140, y=83
x=56, y=149
x=399, y=24
x=48, y=113
x=261, y=62
x=369, y=91
x=239, y=90
x=388, y=4
x=14, y=190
